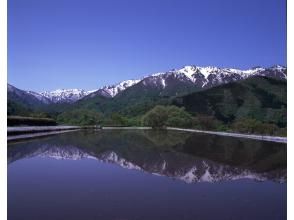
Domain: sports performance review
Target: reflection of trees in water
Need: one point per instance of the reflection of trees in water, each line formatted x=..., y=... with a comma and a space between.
x=261, y=155
x=165, y=138
x=155, y=149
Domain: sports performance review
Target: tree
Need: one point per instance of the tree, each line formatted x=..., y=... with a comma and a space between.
x=173, y=116
x=246, y=125
x=266, y=128
x=207, y=122
x=156, y=117
x=249, y=125
x=79, y=117
x=118, y=120
x=178, y=117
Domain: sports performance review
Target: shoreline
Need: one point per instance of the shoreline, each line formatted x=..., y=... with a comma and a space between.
x=238, y=135
x=17, y=133
x=221, y=133
x=35, y=135
x=37, y=129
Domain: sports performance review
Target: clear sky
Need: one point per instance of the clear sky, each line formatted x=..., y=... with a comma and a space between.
x=90, y=43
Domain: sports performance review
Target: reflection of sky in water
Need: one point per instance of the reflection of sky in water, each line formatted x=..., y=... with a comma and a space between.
x=43, y=187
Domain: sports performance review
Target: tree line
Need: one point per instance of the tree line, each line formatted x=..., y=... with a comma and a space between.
x=170, y=116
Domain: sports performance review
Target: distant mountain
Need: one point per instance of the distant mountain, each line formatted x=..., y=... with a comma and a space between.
x=259, y=97
x=25, y=97
x=40, y=97
x=161, y=87
x=135, y=97
x=73, y=95
x=173, y=82
x=64, y=95
x=113, y=90
x=189, y=78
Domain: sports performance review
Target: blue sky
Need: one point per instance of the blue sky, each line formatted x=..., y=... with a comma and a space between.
x=90, y=43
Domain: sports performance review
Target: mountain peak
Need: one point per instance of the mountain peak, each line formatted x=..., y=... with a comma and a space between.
x=113, y=90
x=189, y=71
x=278, y=67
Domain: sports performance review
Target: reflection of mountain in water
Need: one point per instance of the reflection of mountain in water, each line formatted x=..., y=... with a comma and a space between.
x=179, y=155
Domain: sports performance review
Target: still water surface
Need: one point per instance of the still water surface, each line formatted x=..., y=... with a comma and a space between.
x=146, y=174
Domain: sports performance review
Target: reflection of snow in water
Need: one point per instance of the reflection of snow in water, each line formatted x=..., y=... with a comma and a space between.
x=205, y=171
x=177, y=165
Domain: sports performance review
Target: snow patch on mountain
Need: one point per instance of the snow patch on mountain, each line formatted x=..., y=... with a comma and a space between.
x=113, y=90
x=189, y=71
x=65, y=95
x=155, y=74
x=39, y=96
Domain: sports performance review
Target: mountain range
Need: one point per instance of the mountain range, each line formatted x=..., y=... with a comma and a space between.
x=225, y=94
x=173, y=82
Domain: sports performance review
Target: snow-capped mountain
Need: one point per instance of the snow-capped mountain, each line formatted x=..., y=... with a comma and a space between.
x=113, y=90
x=65, y=95
x=192, y=76
x=40, y=97
x=206, y=77
x=73, y=95
x=25, y=98
x=178, y=79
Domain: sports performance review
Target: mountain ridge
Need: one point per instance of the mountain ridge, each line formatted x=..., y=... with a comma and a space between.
x=189, y=76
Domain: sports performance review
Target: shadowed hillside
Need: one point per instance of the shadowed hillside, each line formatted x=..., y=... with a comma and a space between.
x=260, y=98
